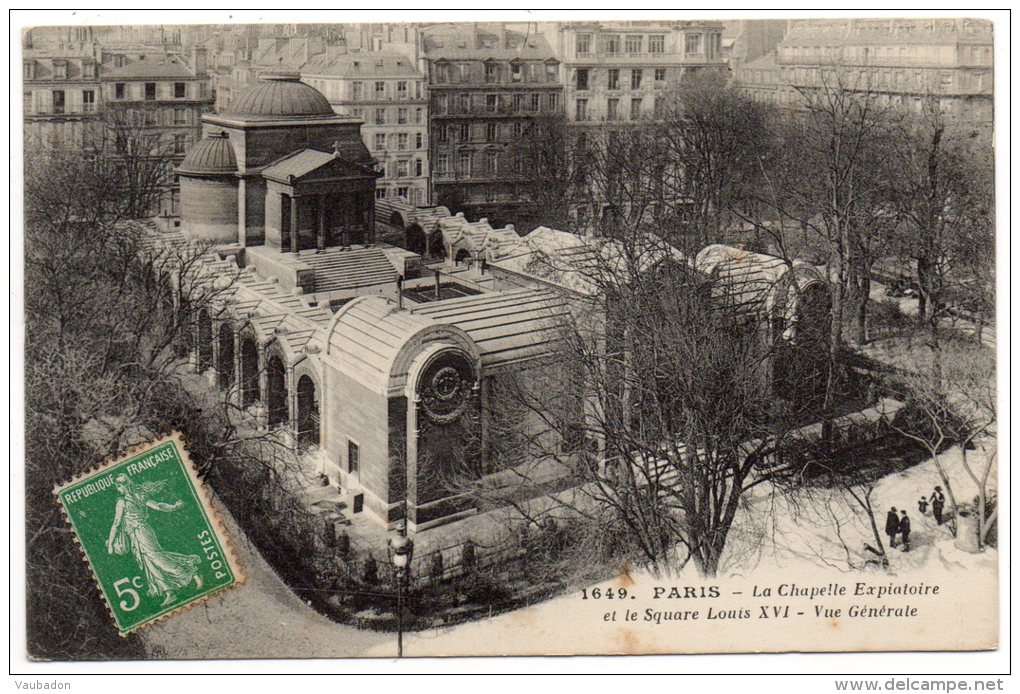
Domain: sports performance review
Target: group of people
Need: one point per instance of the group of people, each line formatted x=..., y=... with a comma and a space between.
x=898, y=523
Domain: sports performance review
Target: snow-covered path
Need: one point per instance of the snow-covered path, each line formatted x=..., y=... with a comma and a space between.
x=261, y=619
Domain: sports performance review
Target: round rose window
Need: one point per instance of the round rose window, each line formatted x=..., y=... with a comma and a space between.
x=445, y=386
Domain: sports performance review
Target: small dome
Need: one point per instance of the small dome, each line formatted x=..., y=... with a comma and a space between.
x=213, y=155
x=280, y=95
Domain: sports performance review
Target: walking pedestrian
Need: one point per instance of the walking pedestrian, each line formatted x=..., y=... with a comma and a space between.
x=938, y=502
x=922, y=505
x=892, y=526
x=905, y=531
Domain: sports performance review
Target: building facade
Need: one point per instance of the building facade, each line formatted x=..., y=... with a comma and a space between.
x=62, y=95
x=621, y=71
x=901, y=61
x=160, y=96
x=485, y=82
x=387, y=92
x=279, y=169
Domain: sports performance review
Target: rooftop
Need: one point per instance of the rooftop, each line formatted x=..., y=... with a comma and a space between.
x=507, y=327
x=167, y=66
x=482, y=41
x=280, y=96
x=212, y=155
x=376, y=64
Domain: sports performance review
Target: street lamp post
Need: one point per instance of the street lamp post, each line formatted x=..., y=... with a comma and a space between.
x=401, y=547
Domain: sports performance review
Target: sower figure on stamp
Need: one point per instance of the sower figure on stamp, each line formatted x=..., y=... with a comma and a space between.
x=938, y=502
x=905, y=531
x=164, y=571
x=892, y=526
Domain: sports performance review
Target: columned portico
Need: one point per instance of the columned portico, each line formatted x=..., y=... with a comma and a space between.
x=315, y=200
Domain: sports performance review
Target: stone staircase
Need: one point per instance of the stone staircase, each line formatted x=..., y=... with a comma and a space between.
x=338, y=269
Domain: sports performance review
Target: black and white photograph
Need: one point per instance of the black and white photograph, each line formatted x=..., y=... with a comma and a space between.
x=580, y=333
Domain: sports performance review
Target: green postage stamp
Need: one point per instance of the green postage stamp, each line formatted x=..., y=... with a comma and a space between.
x=150, y=534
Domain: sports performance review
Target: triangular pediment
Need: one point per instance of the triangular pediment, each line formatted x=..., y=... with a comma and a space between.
x=313, y=165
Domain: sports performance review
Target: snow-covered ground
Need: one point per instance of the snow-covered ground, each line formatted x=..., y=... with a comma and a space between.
x=262, y=618
x=798, y=544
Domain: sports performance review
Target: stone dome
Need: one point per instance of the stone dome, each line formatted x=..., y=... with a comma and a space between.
x=280, y=95
x=212, y=155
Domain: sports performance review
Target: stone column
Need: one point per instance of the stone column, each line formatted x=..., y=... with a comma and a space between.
x=293, y=224
x=262, y=410
x=320, y=234
x=214, y=381
x=292, y=405
x=194, y=363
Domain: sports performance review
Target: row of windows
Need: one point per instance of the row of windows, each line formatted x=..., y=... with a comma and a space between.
x=398, y=141
x=72, y=134
x=401, y=116
x=416, y=196
x=454, y=104
x=584, y=78
x=404, y=168
x=973, y=109
x=877, y=79
x=150, y=92
x=374, y=90
x=614, y=112
x=161, y=116
x=60, y=101
x=474, y=164
x=709, y=44
x=478, y=132
x=632, y=44
x=945, y=54
x=60, y=72
x=493, y=72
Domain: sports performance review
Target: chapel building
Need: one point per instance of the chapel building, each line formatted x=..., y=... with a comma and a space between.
x=380, y=365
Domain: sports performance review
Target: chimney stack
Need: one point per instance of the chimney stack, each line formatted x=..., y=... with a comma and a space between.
x=199, y=61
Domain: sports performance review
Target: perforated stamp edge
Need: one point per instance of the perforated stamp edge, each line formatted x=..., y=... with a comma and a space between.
x=204, y=496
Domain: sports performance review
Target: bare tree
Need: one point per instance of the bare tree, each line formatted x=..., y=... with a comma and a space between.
x=681, y=171
x=656, y=412
x=945, y=196
x=717, y=140
x=103, y=320
x=136, y=155
x=832, y=181
x=955, y=401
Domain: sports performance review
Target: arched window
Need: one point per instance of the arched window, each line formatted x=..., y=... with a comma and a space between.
x=225, y=364
x=249, y=372
x=308, y=413
x=415, y=240
x=276, y=396
x=205, y=341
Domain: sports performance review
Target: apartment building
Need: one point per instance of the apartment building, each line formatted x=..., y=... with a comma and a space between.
x=61, y=95
x=387, y=91
x=485, y=82
x=903, y=61
x=620, y=71
x=160, y=93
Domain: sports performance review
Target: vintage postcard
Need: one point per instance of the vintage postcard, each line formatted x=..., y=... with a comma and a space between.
x=599, y=335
